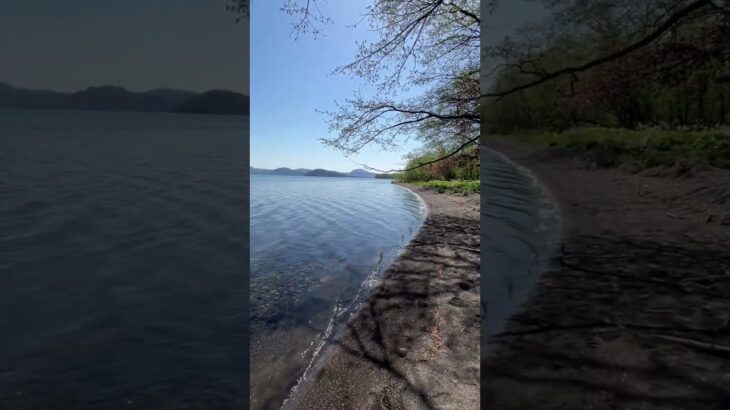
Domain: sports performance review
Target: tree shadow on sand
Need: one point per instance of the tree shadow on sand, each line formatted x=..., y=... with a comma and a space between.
x=619, y=322
x=410, y=319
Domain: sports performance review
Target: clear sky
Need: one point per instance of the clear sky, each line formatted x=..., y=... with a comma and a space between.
x=290, y=79
x=70, y=45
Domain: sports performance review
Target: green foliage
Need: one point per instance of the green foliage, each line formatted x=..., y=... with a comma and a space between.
x=457, y=174
x=676, y=81
x=453, y=186
x=610, y=147
x=418, y=174
x=463, y=166
x=715, y=148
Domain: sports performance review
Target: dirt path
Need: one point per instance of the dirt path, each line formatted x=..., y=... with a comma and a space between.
x=415, y=345
x=635, y=312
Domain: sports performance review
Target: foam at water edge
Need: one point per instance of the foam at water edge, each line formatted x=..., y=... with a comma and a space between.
x=550, y=217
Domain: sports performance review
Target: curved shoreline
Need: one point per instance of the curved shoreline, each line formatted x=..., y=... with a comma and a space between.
x=636, y=293
x=543, y=186
x=420, y=198
x=420, y=325
x=317, y=359
x=521, y=223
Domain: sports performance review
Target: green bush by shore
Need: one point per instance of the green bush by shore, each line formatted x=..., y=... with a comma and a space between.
x=454, y=186
x=455, y=174
x=611, y=147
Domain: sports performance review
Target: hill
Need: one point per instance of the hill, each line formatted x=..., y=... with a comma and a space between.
x=259, y=171
x=216, y=102
x=319, y=172
x=289, y=171
x=12, y=97
x=324, y=173
x=361, y=173
x=113, y=98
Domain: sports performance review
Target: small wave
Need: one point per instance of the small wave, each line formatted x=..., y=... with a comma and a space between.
x=524, y=223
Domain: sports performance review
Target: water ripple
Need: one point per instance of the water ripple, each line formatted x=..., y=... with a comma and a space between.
x=318, y=245
x=121, y=257
x=520, y=224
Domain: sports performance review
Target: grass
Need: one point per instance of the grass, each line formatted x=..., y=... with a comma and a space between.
x=454, y=186
x=610, y=147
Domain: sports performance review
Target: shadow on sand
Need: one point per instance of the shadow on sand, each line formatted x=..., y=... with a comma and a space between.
x=416, y=333
x=619, y=322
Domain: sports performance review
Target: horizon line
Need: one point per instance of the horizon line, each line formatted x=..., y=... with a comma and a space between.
x=122, y=87
x=311, y=169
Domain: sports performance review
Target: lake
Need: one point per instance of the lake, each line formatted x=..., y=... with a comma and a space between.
x=122, y=260
x=520, y=225
x=318, y=247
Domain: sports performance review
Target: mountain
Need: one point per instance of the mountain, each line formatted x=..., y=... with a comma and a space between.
x=216, y=102
x=289, y=171
x=12, y=97
x=170, y=97
x=319, y=172
x=361, y=173
x=259, y=171
x=324, y=173
x=113, y=98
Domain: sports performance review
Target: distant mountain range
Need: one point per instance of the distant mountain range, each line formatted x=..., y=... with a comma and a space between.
x=319, y=172
x=356, y=173
x=112, y=98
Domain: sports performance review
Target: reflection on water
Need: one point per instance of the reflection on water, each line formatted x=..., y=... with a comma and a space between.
x=122, y=260
x=519, y=227
x=318, y=245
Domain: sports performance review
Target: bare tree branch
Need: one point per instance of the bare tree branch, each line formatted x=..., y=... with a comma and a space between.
x=431, y=44
x=311, y=19
x=421, y=165
x=648, y=39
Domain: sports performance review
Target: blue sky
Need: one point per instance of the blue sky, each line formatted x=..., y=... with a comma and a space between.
x=290, y=79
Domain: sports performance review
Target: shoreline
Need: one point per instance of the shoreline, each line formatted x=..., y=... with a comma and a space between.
x=415, y=342
x=409, y=188
x=521, y=224
x=632, y=311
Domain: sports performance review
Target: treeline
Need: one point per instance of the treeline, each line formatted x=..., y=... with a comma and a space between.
x=463, y=166
x=681, y=80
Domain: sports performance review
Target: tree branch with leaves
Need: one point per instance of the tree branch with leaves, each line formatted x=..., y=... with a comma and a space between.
x=430, y=45
x=427, y=45
x=621, y=57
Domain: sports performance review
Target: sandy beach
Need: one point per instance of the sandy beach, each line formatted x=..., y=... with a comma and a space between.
x=415, y=344
x=634, y=311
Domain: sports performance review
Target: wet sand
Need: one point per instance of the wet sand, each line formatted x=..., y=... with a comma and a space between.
x=634, y=310
x=415, y=343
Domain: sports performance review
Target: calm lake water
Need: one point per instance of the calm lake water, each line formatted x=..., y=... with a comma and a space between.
x=520, y=225
x=122, y=260
x=318, y=245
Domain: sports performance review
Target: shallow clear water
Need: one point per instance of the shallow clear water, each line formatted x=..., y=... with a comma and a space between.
x=318, y=245
x=122, y=260
x=520, y=224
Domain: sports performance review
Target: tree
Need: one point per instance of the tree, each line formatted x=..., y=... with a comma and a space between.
x=432, y=45
x=240, y=8
x=635, y=26
x=429, y=44
x=616, y=56
x=311, y=19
